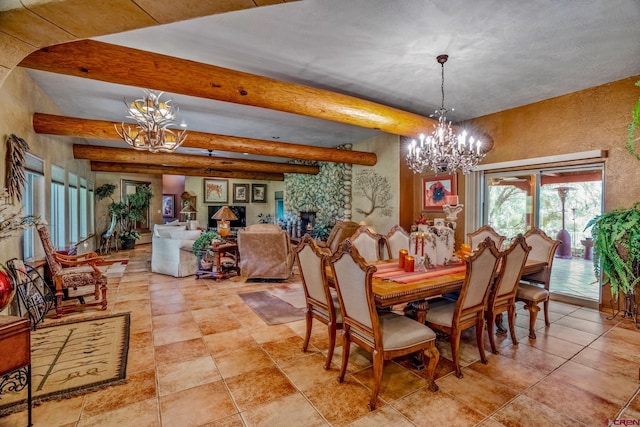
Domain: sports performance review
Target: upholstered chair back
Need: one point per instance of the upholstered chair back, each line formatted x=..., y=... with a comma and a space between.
x=482, y=233
x=543, y=248
x=481, y=269
x=341, y=231
x=49, y=250
x=309, y=259
x=367, y=243
x=513, y=262
x=395, y=240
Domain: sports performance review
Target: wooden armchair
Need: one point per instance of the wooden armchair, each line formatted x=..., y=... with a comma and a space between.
x=386, y=335
x=482, y=233
x=322, y=304
x=534, y=288
x=397, y=238
x=341, y=231
x=452, y=317
x=503, y=292
x=73, y=272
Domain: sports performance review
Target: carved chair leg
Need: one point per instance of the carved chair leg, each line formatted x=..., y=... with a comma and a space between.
x=455, y=351
x=480, y=337
x=533, y=314
x=346, y=344
x=59, y=295
x=103, y=290
x=492, y=339
x=309, y=324
x=332, y=345
x=546, y=312
x=434, y=356
x=378, y=367
x=512, y=323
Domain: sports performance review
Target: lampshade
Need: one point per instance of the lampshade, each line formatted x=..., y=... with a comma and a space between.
x=224, y=213
x=188, y=209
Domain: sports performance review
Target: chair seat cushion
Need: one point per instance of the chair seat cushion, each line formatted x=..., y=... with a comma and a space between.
x=532, y=293
x=401, y=332
x=441, y=313
x=74, y=277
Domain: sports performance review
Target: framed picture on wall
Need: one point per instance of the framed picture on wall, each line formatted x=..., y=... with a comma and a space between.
x=240, y=193
x=168, y=205
x=435, y=189
x=259, y=193
x=216, y=190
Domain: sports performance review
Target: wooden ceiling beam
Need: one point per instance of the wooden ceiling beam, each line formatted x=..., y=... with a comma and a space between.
x=101, y=129
x=119, y=64
x=128, y=155
x=176, y=170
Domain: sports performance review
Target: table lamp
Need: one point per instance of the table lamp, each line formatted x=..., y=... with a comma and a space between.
x=187, y=210
x=224, y=215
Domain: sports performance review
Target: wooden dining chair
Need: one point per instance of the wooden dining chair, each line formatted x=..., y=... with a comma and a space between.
x=534, y=288
x=452, y=317
x=367, y=243
x=341, y=231
x=397, y=238
x=386, y=335
x=503, y=293
x=322, y=304
x=482, y=233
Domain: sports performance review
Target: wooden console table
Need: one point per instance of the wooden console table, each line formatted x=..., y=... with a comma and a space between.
x=219, y=270
x=15, y=363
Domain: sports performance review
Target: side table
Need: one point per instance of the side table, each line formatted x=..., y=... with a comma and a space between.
x=219, y=270
x=15, y=364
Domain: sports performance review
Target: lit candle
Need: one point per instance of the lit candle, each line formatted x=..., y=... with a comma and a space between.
x=409, y=263
x=403, y=254
x=422, y=244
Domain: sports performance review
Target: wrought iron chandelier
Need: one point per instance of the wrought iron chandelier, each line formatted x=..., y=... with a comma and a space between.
x=151, y=132
x=443, y=151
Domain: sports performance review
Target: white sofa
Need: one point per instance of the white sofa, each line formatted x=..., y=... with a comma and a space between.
x=171, y=251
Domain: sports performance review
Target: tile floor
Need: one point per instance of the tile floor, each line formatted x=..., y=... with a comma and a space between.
x=199, y=357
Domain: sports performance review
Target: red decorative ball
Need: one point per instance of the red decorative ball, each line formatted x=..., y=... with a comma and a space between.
x=7, y=290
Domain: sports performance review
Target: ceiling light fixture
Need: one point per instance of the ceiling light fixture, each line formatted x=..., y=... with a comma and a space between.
x=443, y=151
x=151, y=132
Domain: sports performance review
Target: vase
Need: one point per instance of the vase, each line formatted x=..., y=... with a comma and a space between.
x=128, y=243
x=7, y=290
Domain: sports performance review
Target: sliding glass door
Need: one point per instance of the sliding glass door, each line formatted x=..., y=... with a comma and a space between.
x=559, y=201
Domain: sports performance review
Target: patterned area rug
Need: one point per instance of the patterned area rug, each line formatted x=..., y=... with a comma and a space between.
x=73, y=358
x=274, y=310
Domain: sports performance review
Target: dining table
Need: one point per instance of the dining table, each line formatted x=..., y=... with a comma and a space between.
x=393, y=286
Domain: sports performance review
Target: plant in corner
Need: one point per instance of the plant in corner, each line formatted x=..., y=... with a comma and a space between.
x=616, y=244
x=128, y=211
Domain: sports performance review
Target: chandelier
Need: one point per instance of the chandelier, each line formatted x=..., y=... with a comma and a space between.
x=151, y=131
x=443, y=151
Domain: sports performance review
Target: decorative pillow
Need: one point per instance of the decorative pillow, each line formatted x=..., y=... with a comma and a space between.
x=165, y=230
x=184, y=234
x=174, y=222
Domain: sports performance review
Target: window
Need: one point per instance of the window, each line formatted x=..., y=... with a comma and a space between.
x=57, y=221
x=91, y=208
x=74, y=225
x=32, y=201
x=83, y=209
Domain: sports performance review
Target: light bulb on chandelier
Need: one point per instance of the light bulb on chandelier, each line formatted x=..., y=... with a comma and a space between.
x=151, y=131
x=443, y=151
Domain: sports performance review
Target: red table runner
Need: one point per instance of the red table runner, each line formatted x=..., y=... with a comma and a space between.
x=391, y=271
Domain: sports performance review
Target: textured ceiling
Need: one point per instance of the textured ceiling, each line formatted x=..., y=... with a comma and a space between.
x=502, y=54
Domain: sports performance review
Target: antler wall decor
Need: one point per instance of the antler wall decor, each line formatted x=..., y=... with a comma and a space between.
x=16, y=178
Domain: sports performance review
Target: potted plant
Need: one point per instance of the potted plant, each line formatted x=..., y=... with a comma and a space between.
x=616, y=245
x=202, y=245
x=127, y=211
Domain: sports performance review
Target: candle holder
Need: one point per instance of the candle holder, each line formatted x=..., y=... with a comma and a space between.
x=452, y=212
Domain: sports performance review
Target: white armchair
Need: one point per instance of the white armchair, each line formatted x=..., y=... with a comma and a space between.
x=171, y=252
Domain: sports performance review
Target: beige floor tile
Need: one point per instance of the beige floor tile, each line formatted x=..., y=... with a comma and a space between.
x=234, y=420
x=139, y=386
x=146, y=415
x=272, y=333
x=553, y=345
x=291, y=410
x=568, y=334
x=597, y=328
x=171, y=334
x=140, y=360
x=607, y=363
x=243, y=360
x=621, y=342
x=573, y=401
x=171, y=320
x=196, y=406
x=308, y=371
x=172, y=308
x=427, y=408
x=383, y=417
x=341, y=403
x=286, y=349
x=225, y=342
x=219, y=324
x=54, y=413
x=396, y=381
x=257, y=387
x=190, y=373
x=525, y=412
x=180, y=351
x=477, y=391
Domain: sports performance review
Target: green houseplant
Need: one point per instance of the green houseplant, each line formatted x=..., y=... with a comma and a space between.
x=616, y=244
x=127, y=211
x=203, y=243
